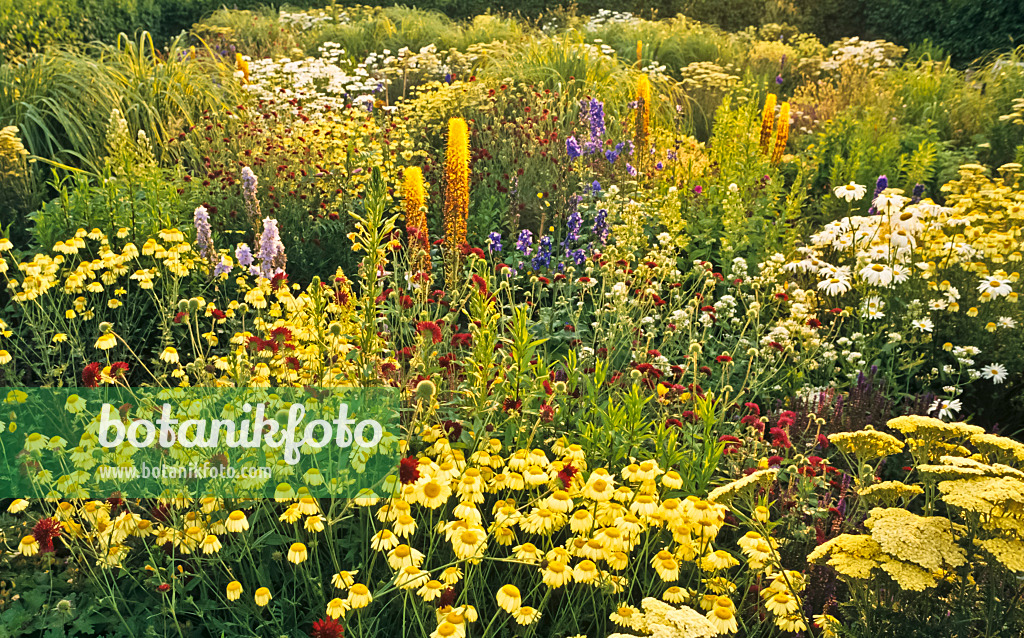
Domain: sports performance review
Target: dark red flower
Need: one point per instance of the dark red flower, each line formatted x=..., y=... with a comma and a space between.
x=480, y=283
x=547, y=413
x=453, y=429
x=774, y=461
x=327, y=628
x=813, y=323
x=118, y=369
x=408, y=470
x=91, y=375
x=218, y=314
x=432, y=328
x=447, y=598
x=822, y=441
x=44, y=532
x=566, y=474
x=780, y=438
x=510, y=404
x=462, y=339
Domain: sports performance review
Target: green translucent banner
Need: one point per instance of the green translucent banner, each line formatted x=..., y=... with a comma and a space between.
x=186, y=443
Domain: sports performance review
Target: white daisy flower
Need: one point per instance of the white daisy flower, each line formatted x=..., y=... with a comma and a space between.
x=850, y=192
x=923, y=325
x=995, y=286
x=876, y=274
x=995, y=371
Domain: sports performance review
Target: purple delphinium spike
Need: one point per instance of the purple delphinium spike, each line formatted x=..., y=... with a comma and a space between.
x=204, y=236
x=880, y=185
x=494, y=242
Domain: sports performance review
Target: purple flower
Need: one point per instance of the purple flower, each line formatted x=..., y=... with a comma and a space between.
x=222, y=268
x=578, y=256
x=243, y=255
x=880, y=185
x=574, y=223
x=659, y=166
x=543, y=256
x=494, y=242
x=271, y=254
x=918, y=193
x=252, y=202
x=630, y=169
x=601, y=226
x=525, y=242
x=671, y=154
x=611, y=155
x=778, y=79
x=596, y=187
x=592, y=115
x=204, y=237
x=572, y=147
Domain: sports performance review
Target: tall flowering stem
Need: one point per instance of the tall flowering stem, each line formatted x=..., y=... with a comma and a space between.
x=767, y=122
x=456, y=194
x=416, y=218
x=782, y=134
x=374, y=234
x=642, y=135
x=252, y=202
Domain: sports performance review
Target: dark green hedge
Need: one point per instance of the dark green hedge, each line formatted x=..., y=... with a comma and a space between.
x=964, y=29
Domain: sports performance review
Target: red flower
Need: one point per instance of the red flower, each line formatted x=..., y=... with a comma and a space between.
x=543, y=280
x=91, y=375
x=480, y=283
x=44, y=532
x=404, y=354
x=813, y=323
x=408, y=470
x=774, y=461
x=753, y=407
x=432, y=328
x=405, y=301
x=462, y=339
x=823, y=441
x=218, y=314
x=453, y=429
x=566, y=474
x=118, y=369
x=327, y=628
x=512, y=404
x=447, y=598
x=178, y=318
x=162, y=587
x=775, y=344
x=723, y=358
x=780, y=438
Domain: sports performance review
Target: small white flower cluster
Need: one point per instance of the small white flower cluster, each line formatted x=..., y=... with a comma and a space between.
x=307, y=20
x=605, y=17
x=856, y=52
